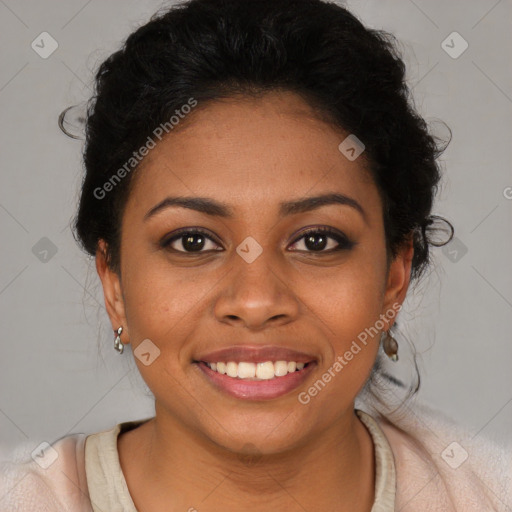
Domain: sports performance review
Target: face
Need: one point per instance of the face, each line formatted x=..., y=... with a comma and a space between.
x=309, y=277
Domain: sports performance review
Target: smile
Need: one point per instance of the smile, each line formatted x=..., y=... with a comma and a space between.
x=256, y=371
x=256, y=381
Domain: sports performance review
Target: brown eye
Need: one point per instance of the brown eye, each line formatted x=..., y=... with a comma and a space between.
x=190, y=241
x=319, y=239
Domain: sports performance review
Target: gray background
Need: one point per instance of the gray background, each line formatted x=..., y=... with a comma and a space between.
x=59, y=372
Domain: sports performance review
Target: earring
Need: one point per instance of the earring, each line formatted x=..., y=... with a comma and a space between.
x=117, y=342
x=390, y=346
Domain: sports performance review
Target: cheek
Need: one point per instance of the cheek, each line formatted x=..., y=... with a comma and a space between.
x=356, y=298
x=351, y=304
x=160, y=307
x=351, y=312
x=353, y=291
x=159, y=301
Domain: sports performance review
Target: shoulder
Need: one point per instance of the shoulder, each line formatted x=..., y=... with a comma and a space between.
x=49, y=478
x=440, y=465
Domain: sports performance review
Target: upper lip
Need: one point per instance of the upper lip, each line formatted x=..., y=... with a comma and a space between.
x=253, y=354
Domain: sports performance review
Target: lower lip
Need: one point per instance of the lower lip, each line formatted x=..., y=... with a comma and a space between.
x=257, y=389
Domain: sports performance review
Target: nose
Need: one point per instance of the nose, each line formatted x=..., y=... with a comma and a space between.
x=257, y=295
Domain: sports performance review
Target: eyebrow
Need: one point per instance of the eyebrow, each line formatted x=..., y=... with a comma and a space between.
x=218, y=209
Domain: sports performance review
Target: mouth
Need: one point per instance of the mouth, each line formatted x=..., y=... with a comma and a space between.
x=265, y=370
x=263, y=380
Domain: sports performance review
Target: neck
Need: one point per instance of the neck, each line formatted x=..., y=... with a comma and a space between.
x=164, y=462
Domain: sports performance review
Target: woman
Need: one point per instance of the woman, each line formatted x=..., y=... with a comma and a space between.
x=258, y=198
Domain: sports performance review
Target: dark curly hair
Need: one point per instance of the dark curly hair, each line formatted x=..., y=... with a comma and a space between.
x=353, y=77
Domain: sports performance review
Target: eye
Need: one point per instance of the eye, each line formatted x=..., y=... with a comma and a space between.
x=194, y=240
x=317, y=239
x=190, y=239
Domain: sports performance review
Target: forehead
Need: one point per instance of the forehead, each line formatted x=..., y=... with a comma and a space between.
x=254, y=151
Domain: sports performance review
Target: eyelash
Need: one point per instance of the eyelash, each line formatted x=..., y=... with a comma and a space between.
x=343, y=241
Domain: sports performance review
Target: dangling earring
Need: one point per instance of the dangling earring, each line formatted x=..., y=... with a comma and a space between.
x=390, y=346
x=118, y=345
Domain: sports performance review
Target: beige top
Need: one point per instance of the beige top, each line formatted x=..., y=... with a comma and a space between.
x=437, y=464
x=108, y=489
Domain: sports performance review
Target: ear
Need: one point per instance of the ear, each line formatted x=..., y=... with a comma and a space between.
x=398, y=279
x=112, y=292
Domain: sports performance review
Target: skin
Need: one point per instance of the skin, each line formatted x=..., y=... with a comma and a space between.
x=252, y=154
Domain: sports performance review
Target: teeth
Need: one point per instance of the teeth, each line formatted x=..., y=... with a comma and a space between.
x=256, y=371
x=232, y=369
x=246, y=370
x=280, y=368
x=265, y=370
